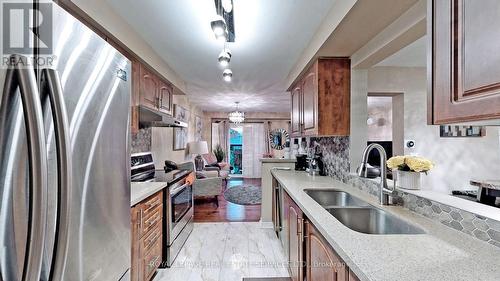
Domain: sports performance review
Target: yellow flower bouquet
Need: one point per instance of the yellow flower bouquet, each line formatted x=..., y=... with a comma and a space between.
x=407, y=170
x=410, y=164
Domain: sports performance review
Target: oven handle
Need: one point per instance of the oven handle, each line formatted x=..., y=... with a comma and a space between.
x=176, y=190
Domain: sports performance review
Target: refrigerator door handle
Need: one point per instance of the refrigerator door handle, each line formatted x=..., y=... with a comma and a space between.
x=23, y=77
x=51, y=85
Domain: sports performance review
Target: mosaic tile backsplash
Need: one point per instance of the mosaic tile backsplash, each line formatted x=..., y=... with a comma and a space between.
x=336, y=160
x=335, y=152
x=141, y=141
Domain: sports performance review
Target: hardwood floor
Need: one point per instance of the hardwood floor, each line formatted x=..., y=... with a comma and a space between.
x=205, y=210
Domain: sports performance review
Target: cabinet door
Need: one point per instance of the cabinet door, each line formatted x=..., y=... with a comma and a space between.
x=352, y=277
x=322, y=264
x=148, y=89
x=296, y=110
x=310, y=102
x=165, y=92
x=295, y=240
x=465, y=77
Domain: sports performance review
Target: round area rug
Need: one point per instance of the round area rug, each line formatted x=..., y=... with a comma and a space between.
x=244, y=195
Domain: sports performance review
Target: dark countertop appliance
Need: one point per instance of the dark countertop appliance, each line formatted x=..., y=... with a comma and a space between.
x=301, y=164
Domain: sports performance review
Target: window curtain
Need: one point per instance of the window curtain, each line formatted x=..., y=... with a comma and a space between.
x=267, y=132
x=254, y=147
x=224, y=138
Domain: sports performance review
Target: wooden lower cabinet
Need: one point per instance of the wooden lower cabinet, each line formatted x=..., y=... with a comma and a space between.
x=322, y=264
x=295, y=238
x=147, y=218
x=310, y=256
x=352, y=277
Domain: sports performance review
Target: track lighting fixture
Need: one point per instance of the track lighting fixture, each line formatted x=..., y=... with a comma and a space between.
x=227, y=75
x=224, y=57
x=219, y=28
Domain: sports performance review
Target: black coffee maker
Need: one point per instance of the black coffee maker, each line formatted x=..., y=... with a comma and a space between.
x=301, y=164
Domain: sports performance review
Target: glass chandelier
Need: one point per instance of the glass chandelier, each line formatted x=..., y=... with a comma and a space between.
x=236, y=116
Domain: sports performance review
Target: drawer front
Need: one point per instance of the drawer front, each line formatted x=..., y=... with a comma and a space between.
x=151, y=260
x=149, y=205
x=151, y=239
x=151, y=221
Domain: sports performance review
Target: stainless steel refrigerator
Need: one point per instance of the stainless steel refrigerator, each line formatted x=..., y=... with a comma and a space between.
x=64, y=160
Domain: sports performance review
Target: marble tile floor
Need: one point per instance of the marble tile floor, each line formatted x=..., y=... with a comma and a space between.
x=228, y=251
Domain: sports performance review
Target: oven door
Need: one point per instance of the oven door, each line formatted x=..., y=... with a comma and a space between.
x=180, y=209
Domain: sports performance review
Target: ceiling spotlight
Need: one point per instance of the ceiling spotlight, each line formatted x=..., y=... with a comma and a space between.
x=227, y=5
x=225, y=57
x=227, y=75
x=219, y=28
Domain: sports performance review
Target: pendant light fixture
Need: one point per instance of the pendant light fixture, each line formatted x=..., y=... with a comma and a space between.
x=227, y=75
x=224, y=57
x=236, y=116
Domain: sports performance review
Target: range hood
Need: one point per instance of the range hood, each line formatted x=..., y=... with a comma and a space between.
x=151, y=118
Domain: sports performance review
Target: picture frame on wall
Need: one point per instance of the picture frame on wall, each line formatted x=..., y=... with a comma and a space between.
x=180, y=113
x=180, y=138
x=198, y=128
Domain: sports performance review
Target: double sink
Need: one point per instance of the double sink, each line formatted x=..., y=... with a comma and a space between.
x=360, y=216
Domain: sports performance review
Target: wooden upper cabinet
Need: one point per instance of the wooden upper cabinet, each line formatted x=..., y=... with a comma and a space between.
x=165, y=93
x=296, y=112
x=325, y=95
x=310, y=102
x=295, y=239
x=465, y=75
x=322, y=264
x=148, y=91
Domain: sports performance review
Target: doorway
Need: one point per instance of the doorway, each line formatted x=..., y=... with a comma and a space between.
x=236, y=150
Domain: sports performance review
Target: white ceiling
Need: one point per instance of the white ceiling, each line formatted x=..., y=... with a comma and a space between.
x=270, y=36
x=413, y=55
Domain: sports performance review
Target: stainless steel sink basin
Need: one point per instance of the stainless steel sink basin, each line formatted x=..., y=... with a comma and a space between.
x=335, y=198
x=373, y=221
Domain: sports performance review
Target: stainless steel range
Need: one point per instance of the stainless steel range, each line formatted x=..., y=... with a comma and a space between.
x=177, y=203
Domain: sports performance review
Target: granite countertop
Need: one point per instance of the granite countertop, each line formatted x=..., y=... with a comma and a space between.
x=440, y=254
x=142, y=190
x=277, y=160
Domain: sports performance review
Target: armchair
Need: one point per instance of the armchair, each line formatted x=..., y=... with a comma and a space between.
x=212, y=165
x=206, y=184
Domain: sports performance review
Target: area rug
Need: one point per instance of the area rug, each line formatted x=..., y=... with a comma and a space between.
x=244, y=195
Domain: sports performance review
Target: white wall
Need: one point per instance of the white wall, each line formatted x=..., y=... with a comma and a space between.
x=359, y=114
x=457, y=159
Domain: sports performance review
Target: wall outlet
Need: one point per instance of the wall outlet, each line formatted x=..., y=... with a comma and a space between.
x=410, y=143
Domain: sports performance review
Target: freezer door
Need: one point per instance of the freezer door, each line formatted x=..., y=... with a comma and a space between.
x=95, y=80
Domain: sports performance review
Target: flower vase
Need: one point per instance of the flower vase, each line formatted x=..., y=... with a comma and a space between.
x=408, y=180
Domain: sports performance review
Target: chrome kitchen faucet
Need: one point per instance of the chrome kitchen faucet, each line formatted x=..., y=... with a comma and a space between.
x=384, y=192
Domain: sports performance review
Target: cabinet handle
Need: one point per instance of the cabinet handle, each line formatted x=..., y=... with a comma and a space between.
x=152, y=240
x=151, y=222
x=306, y=227
x=151, y=205
x=140, y=219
